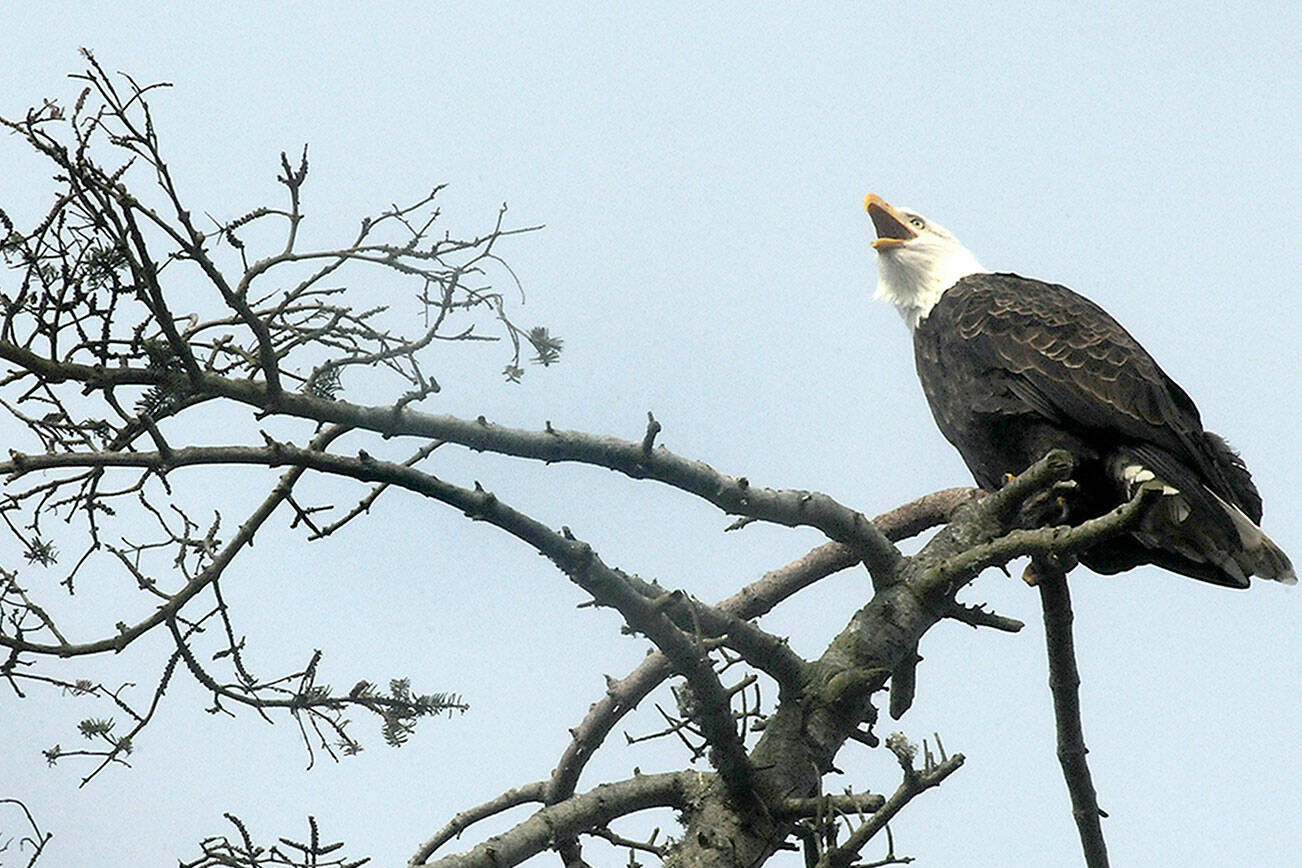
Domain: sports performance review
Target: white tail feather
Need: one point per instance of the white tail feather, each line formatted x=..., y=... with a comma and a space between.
x=1260, y=556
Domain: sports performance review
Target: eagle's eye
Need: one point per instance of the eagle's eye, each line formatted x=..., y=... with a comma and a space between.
x=917, y=223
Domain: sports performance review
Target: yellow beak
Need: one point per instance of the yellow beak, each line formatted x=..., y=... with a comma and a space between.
x=892, y=229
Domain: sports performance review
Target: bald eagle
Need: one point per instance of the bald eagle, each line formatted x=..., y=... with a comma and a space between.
x=1014, y=367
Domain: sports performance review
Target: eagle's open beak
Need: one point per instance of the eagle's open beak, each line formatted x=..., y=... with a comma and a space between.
x=891, y=230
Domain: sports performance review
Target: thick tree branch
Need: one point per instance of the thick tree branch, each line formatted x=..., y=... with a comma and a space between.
x=802, y=737
x=766, y=652
x=842, y=803
x=752, y=601
x=576, y=814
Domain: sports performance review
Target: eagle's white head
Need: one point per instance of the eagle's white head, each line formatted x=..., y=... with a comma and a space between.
x=917, y=260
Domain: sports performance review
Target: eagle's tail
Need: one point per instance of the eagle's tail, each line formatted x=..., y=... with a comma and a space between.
x=1193, y=530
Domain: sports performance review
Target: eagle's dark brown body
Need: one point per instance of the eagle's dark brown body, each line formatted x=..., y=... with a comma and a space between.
x=1014, y=367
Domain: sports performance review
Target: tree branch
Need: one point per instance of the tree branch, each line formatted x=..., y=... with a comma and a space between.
x=841, y=803
x=597, y=807
x=752, y=601
x=766, y=652
x=733, y=495
x=802, y=737
x=914, y=783
x=572, y=556
x=1057, y=540
x=242, y=538
x=36, y=838
x=1064, y=683
x=513, y=797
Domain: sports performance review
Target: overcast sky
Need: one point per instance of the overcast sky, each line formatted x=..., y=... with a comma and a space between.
x=700, y=170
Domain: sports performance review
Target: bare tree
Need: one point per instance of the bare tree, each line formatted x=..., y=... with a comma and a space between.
x=139, y=339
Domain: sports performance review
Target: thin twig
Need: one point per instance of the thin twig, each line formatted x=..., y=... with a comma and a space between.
x=513, y=797
x=914, y=783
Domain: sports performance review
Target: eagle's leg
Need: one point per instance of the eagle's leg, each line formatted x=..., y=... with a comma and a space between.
x=1046, y=509
x=1049, y=507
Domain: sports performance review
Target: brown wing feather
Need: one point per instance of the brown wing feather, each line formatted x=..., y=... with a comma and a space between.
x=1068, y=357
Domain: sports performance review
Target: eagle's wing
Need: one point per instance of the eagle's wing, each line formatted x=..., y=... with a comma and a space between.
x=1068, y=360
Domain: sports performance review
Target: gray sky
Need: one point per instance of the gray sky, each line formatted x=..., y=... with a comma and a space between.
x=701, y=172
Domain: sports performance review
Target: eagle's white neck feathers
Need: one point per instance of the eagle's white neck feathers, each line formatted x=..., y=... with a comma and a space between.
x=913, y=275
